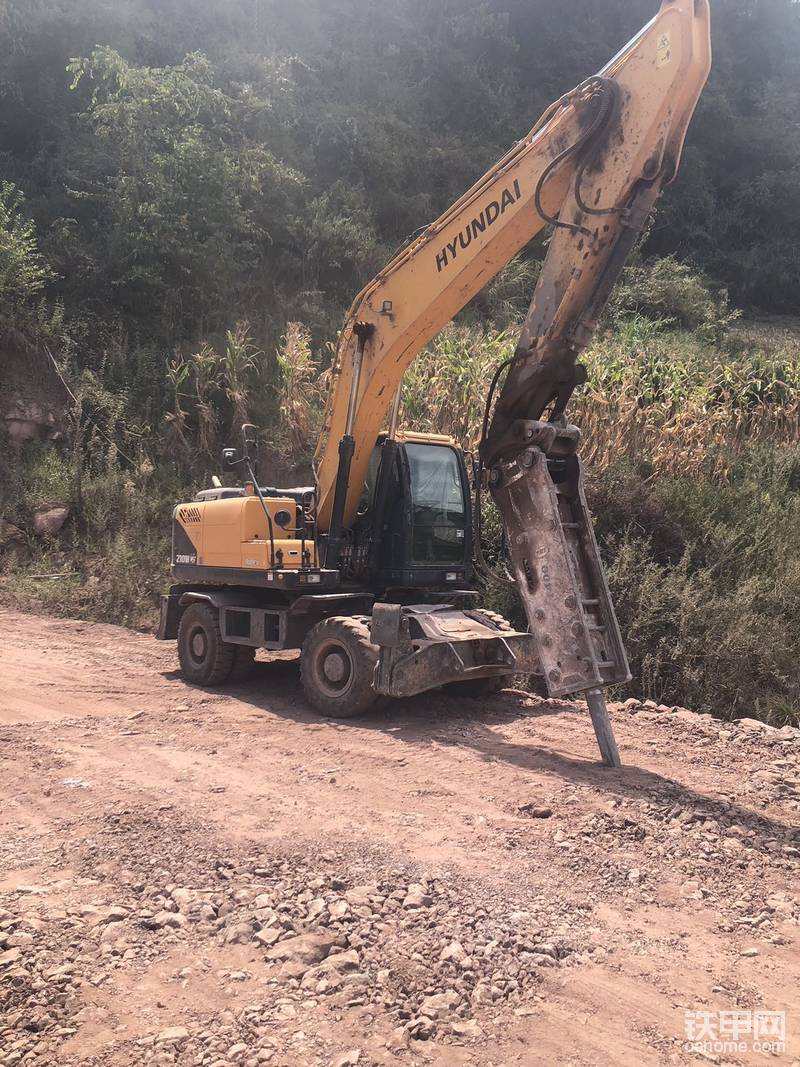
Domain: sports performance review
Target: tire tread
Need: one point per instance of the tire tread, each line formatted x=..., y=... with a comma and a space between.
x=354, y=629
x=219, y=666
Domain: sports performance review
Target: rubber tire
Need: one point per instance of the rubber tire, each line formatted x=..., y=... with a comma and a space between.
x=217, y=663
x=244, y=657
x=482, y=687
x=358, y=695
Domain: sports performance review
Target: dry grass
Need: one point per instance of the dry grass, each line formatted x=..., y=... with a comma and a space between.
x=661, y=397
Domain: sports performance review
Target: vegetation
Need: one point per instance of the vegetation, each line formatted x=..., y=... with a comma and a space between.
x=193, y=193
x=693, y=475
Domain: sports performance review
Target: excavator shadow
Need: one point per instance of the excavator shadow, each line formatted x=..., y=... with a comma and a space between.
x=437, y=719
x=274, y=686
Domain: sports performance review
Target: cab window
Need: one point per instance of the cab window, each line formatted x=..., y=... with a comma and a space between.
x=439, y=518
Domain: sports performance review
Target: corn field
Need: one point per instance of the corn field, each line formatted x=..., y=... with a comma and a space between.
x=664, y=398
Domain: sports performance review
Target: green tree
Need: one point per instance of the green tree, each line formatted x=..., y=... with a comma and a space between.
x=192, y=218
x=24, y=273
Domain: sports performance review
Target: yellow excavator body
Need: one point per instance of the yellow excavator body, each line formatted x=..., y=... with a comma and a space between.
x=389, y=606
x=234, y=533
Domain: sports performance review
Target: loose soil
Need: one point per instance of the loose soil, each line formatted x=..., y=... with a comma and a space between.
x=219, y=877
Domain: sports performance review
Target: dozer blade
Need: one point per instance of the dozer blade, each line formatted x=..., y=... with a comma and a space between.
x=423, y=646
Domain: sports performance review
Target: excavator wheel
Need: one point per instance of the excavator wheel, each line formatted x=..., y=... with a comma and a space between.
x=337, y=667
x=204, y=657
x=482, y=687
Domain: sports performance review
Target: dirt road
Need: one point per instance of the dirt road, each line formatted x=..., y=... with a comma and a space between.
x=219, y=877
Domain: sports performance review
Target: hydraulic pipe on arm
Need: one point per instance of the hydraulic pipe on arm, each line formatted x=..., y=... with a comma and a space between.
x=593, y=167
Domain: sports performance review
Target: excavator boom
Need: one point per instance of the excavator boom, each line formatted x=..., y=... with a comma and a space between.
x=597, y=160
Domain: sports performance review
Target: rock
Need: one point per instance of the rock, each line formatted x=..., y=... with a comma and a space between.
x=535, y=811
x=749, y=952
x=440, y=1005
x=173, y=1035
x=49, y=518
x=307, y=948
x=416, y=897
x=454, y=952
x=9, y=534
x=9, y=957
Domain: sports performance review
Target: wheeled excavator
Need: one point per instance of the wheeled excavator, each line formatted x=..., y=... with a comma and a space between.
x=369, y=572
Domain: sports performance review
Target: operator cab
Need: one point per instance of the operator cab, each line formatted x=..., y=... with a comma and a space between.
x=423, y=540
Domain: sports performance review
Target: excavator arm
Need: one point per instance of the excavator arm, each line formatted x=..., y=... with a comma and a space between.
x=593, y=168
x=597, y=160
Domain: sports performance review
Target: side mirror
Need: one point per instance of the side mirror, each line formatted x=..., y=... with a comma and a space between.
x=230, y=459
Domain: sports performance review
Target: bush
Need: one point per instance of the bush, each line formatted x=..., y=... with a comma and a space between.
x=706, y=579
x=671, y=293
